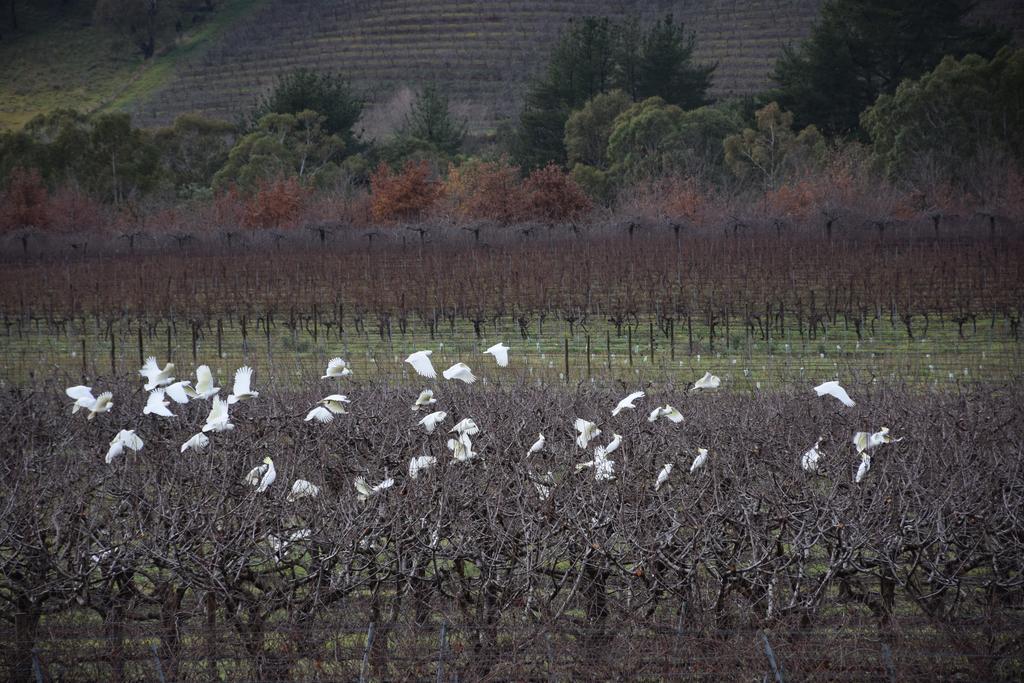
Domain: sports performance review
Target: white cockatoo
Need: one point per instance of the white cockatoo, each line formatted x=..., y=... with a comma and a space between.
x=420, y=362
x=604, y=468
x=613, y=445
x=667, y=412
x=126, y=438
x=155, y=377
x=627, y=402
x=708, y=381
x=461, y=372
x=280, y=545
x=500, y=353
x=179, y=392
x=420, y=464
x=217, y=420
x=365, y=491
x=431, y=421
x=835, y=391
x=587, y=432
x=700, y=460
x=329, y=407
x=203, y=388
x=862, y=471
x=466, y=426
x=196, y=442
x=663, y=475
x=336, y=367
x=103, y=403
x=81, y=396
x=262, y=476
x=156, y=405
x=426, y=398
x=809, y=460
x=537, y=446
x=303, y=489
x=461, y=448
x=242, y=390
x=865, y=441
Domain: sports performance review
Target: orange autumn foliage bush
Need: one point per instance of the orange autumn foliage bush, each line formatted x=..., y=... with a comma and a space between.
x=25, y=201
x=406, y=195
x=552, y=195
x=486, y=190
x=276, y=204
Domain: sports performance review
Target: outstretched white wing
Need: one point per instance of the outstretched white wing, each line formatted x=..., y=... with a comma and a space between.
x=150, y=369
x=836, y=391
x=204, y=380
x=627, y=402
x=420, y=362
x=500, y=353
x=197, y=442
x=156, y=405
x=461, y=372
x=243, y=378
x=130, y=439
x=177, y=391
x=320, y=414
x=708, y=381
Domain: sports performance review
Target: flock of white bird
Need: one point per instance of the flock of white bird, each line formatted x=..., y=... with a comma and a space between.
x=161, y=385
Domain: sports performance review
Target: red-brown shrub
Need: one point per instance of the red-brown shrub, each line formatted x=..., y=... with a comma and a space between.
x=276, y=204
x=406, y=195
x=487, y=190
x=552, y=195
x=25, y=201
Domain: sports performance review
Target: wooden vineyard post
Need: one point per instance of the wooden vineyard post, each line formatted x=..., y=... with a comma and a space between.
x=168, y=341
x=650, y=324
x=672, y=339
x=113, y=351
x=566, y=340
x=588, y=356
x=84, y=368
x=220, y=338
x=629, y=343
x=141, y=358
x=608, y=348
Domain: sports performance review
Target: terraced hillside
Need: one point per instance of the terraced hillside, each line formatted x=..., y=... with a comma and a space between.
x=482, y=53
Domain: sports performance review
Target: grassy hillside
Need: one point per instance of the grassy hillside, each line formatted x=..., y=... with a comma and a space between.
x=481, y=53
x=60, y=58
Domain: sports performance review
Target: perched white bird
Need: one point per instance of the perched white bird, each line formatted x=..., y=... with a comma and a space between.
x=155, y=377
x=604, y=468
x=865, y=441
x=627, y=402
x=667, y=412
x=809, y=460
x=126, y=438
x=420, y=464
x=156, y=405
x=426, y=398
x=336, y=367
x=500, y=353
x=303, y=489
x=320, y=414
x=366, y=491
x=700, y=460
x=537, y=446
x=663, y=475
x=613, y=445
x=420, y=362
x=179, y=391
x=466, y=426
x=203, y=388
x=103, y=403
x=242, y=390
x=461, y=372
x=862, y=471
x=431, y=421
x=196, y=443
x=462, y=448
x=708, y=381
x=82, y=397
x=262, y=476
x=217, y=420
x=834, y=390
x=587, y=432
